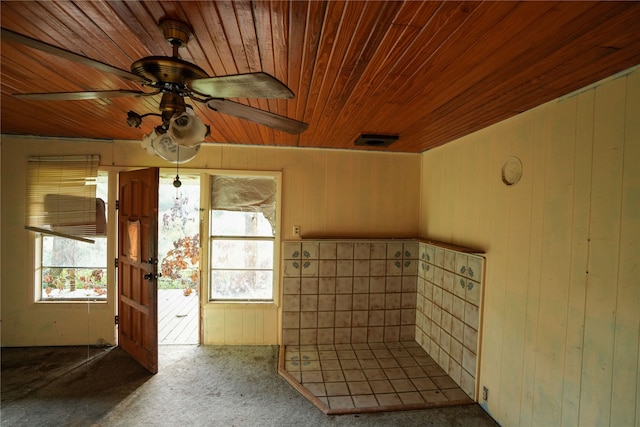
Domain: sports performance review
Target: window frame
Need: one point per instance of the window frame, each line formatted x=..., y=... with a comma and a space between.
x=206, y=223
x=36, y=243
x=213, y=238
x=40, y=268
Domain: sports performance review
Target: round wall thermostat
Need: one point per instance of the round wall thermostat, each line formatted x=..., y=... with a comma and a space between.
x=511, y=171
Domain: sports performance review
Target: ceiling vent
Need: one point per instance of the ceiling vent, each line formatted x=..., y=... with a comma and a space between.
x=376, y=140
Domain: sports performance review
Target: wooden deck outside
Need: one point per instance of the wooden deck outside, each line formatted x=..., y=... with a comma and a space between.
x=177, y=317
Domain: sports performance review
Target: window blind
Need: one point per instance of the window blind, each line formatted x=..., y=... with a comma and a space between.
x=61, y=196
x=245, y=194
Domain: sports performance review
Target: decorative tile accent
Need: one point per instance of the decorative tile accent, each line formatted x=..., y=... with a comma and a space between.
x=461, y=264
x=310, y=250
x=292, y=250
x=474, y=268
x=394, y=251
x=292, y=268
x=410, y=250
x=410, y=267
x=460, y=286
x=309, y=268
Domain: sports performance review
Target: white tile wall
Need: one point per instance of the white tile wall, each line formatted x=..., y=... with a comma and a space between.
x=449, y=295
x=349, y=291
x=359, y=291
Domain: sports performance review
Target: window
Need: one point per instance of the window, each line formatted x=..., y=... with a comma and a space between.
x=67, y=210
x=243, y=238
x=72, y=269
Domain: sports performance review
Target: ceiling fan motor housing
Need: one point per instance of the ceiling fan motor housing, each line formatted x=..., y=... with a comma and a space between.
x=170, y=69
x=167, y=69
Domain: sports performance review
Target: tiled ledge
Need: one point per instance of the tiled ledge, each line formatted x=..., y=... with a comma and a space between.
x=445, y=245
x=375, y=377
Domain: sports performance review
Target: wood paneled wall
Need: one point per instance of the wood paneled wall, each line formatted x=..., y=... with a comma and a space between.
x=560, y=343
x=325, y=192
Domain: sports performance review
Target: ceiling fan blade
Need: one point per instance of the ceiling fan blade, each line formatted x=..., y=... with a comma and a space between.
x=79, y=96
x=250, y=85
x=255, y=115
x=63, y=53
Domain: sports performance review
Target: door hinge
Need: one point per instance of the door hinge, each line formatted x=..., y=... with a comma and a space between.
x=117, y=204
x=116, y=263
x=116, y=319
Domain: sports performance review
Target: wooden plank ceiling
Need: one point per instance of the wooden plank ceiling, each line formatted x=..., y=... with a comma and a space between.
x=428, y=72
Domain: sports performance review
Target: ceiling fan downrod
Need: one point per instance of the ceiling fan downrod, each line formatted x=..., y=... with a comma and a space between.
x=176, y=33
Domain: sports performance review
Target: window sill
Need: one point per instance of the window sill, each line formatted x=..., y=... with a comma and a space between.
x=241, y=304
x=67, y=301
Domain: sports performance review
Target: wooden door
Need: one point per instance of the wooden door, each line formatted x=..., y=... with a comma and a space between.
x=137, y=266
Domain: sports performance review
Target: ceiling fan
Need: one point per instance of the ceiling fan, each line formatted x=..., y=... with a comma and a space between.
x=176, y=79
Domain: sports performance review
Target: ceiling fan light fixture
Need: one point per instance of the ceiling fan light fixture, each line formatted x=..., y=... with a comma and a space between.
x=163, y=146
x=134, y=119
x=147, y=142
x=187, y=130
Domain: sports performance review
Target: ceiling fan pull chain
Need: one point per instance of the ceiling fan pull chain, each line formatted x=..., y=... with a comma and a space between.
x=176, y=181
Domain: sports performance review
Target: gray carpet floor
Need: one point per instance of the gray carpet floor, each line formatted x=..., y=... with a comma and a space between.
x=195, y=386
